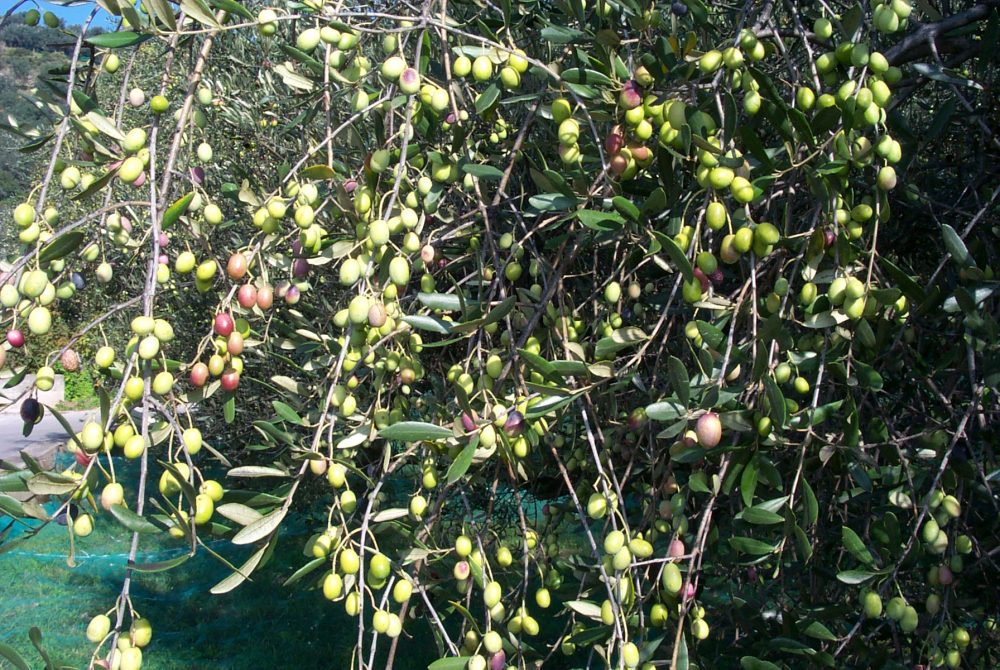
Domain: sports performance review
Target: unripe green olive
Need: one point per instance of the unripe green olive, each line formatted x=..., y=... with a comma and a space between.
x=349, y=561
x=672, y=580
x=710, y=61
x=743, y=240
x=871, y=605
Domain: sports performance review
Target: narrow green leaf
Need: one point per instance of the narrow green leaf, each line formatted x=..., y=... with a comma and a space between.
x=105, y=125
x=229, y=408
x=413, y=431
x=560, y=35
x=682, y=654
x=132, y=521
x=11, y=507
x=938, y=73
x=452, y=663
x=619, y=339
x=260, y=528
x=322, y=172
x=461, y=464
x=200, y=12
x=551, y=202
x=666, y=410
x=540, y=365
x=820, y=632
x=35, y=635
x=163, y=11
x=256, y=471
x=61, y=246
x=868, y=376
x=580, y=75
x=824, y=412
x=233, y=8
x=96, y=186
x=286, y=412
x=855, y=576
x=748, y=482
x=754, y=663
x=549, y=405
x=237, y=578
x=478, y=171
x=749, y=545
x=502, y=309
x=585, y=608
x=175, y=210
x=65, y=424
x=17, y=378
x=429, y=323
x=810, y=503
x=941, y=120
x=956, y=247
x=49, y=483
x=776, y=402
x=116, y=40
x=676, y=254
x=161, y=566
x=487, y=98
x=760, y=517
x=626, y=207
x=854, y=544
x=655, y=203
x=852, y=18
x=305, y=570
x=13, y=657
x=448, y=302
x=679, y=380
x=822, y=320
x=599, y=220
x=34, y=146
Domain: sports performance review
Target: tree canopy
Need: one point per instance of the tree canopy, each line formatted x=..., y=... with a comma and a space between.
x=616, y=334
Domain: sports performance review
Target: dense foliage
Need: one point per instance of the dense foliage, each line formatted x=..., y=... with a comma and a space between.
x=608, y=335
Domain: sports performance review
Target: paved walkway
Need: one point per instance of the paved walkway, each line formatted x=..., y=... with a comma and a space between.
x=48, y=435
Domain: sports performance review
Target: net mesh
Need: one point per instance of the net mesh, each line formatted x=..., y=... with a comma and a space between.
x=262, y=624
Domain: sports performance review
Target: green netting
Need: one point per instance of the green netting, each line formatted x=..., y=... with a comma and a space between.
x=260, y=625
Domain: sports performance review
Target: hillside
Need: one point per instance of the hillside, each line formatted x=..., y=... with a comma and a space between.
x=25, y=53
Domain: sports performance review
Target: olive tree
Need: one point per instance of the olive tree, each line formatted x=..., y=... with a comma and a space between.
x=595, y=335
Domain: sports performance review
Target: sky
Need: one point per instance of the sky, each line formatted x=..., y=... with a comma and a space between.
x=72, y=15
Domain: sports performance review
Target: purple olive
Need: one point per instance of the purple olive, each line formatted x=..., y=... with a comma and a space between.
x=31, y=410
x=637, y=419
x=514, y=425
x=468, y=423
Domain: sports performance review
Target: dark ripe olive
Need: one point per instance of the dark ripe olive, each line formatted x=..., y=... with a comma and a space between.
x=31, y=410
